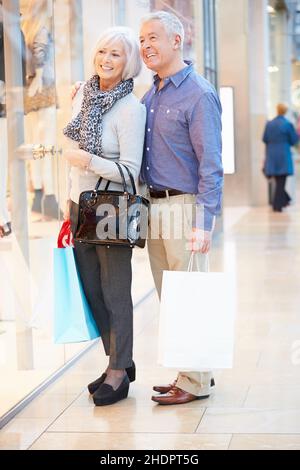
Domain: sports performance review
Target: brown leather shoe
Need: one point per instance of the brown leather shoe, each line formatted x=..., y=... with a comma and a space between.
x=164, y=388
x=176, y=396
x=167, y=388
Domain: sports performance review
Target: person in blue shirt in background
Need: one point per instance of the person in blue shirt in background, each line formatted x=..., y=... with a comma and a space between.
x=279, y=136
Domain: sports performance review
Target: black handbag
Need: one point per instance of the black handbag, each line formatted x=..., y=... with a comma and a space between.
x=113, y=217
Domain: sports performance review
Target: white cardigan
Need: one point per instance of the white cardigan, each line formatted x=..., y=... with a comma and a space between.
x=122, y=140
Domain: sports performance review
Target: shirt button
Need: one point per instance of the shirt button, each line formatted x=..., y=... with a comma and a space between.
x=149, y=129
x=168, y=111
x=152, y=110
x=150, y=186
x=148, y=149
x=148, y=168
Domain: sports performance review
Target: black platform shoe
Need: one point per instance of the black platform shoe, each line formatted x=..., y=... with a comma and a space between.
x=93, y=386
x=106, y=395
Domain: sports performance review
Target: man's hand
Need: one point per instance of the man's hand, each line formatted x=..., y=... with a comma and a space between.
x=75, y=88
x=200, y=241
x=79, y=158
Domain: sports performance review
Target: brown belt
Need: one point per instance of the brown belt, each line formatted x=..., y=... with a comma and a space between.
x=165, y=193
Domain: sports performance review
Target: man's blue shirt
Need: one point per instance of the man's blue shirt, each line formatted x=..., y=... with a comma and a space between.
x=183, y=144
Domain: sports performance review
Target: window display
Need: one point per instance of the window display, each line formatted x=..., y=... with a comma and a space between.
x=47, y=58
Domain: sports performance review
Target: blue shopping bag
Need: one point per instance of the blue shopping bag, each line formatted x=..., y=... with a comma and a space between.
x=73, y=319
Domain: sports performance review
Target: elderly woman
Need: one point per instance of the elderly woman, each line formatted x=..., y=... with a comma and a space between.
x=109, y=128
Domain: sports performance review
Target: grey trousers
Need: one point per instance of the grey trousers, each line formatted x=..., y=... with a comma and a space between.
x=106, y=276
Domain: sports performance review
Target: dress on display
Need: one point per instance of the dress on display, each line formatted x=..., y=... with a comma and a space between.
x=40, y=121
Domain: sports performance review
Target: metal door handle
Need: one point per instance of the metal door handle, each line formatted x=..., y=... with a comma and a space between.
x=41, y=151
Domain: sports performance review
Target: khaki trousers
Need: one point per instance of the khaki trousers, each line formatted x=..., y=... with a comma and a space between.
x=170, y=218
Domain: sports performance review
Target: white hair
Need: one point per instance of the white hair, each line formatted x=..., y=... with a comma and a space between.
x=126, y=36
x=171, y=22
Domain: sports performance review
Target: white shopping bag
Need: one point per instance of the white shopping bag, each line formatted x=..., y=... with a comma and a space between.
x=196, y=329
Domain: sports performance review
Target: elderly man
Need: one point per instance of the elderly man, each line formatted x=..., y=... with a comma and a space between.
x=181, y=166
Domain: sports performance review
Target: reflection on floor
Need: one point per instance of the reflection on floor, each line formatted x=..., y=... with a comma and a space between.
x=47, y=357
x=256, y=405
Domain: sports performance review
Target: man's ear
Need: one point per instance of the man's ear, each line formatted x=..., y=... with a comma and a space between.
x=177, y=42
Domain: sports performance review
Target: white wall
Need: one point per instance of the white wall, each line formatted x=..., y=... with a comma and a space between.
x=243, y=54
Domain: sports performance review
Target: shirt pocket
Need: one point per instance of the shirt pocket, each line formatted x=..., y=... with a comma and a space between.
x=169, y=123
x=167, y=113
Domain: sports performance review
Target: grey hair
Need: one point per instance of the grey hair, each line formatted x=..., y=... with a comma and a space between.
x=133, y=64
x=171, y=22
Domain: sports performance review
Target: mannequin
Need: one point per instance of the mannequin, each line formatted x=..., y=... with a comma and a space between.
x=40, y=102
x=5, y=225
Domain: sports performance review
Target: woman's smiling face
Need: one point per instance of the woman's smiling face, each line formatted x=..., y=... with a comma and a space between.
x=110, y=62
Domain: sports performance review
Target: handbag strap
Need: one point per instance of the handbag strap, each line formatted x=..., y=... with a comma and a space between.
x=99, y=183
x=125, y=187
x=130, y=177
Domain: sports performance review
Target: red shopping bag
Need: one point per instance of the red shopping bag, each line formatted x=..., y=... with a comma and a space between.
x=65, y=236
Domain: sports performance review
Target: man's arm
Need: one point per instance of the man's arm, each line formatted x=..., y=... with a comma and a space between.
x=205, y=130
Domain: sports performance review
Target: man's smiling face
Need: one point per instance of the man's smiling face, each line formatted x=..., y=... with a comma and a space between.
x=156, y=46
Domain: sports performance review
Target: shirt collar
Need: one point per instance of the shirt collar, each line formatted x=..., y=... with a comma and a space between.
x=178, y=77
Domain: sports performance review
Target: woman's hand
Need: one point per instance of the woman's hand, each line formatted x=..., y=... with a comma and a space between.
x=79, y=158
x=66, y=215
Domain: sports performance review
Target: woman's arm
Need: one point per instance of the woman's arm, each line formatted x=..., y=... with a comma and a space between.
x=131, y=133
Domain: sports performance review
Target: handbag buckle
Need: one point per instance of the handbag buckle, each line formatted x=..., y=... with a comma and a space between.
x=92, y=201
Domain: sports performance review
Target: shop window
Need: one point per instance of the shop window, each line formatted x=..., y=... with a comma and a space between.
x=209, y=35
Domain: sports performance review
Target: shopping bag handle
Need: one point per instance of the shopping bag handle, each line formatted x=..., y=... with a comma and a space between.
x=192, y=260
x=65, y=236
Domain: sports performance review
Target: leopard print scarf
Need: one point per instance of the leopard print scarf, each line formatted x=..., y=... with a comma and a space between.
x=86, y=127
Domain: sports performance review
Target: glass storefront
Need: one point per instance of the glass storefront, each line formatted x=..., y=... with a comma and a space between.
x=46, y=45
x=210, y=41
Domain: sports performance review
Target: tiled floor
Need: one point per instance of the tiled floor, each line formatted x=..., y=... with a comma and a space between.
x=20, y=378
x=255, y=405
